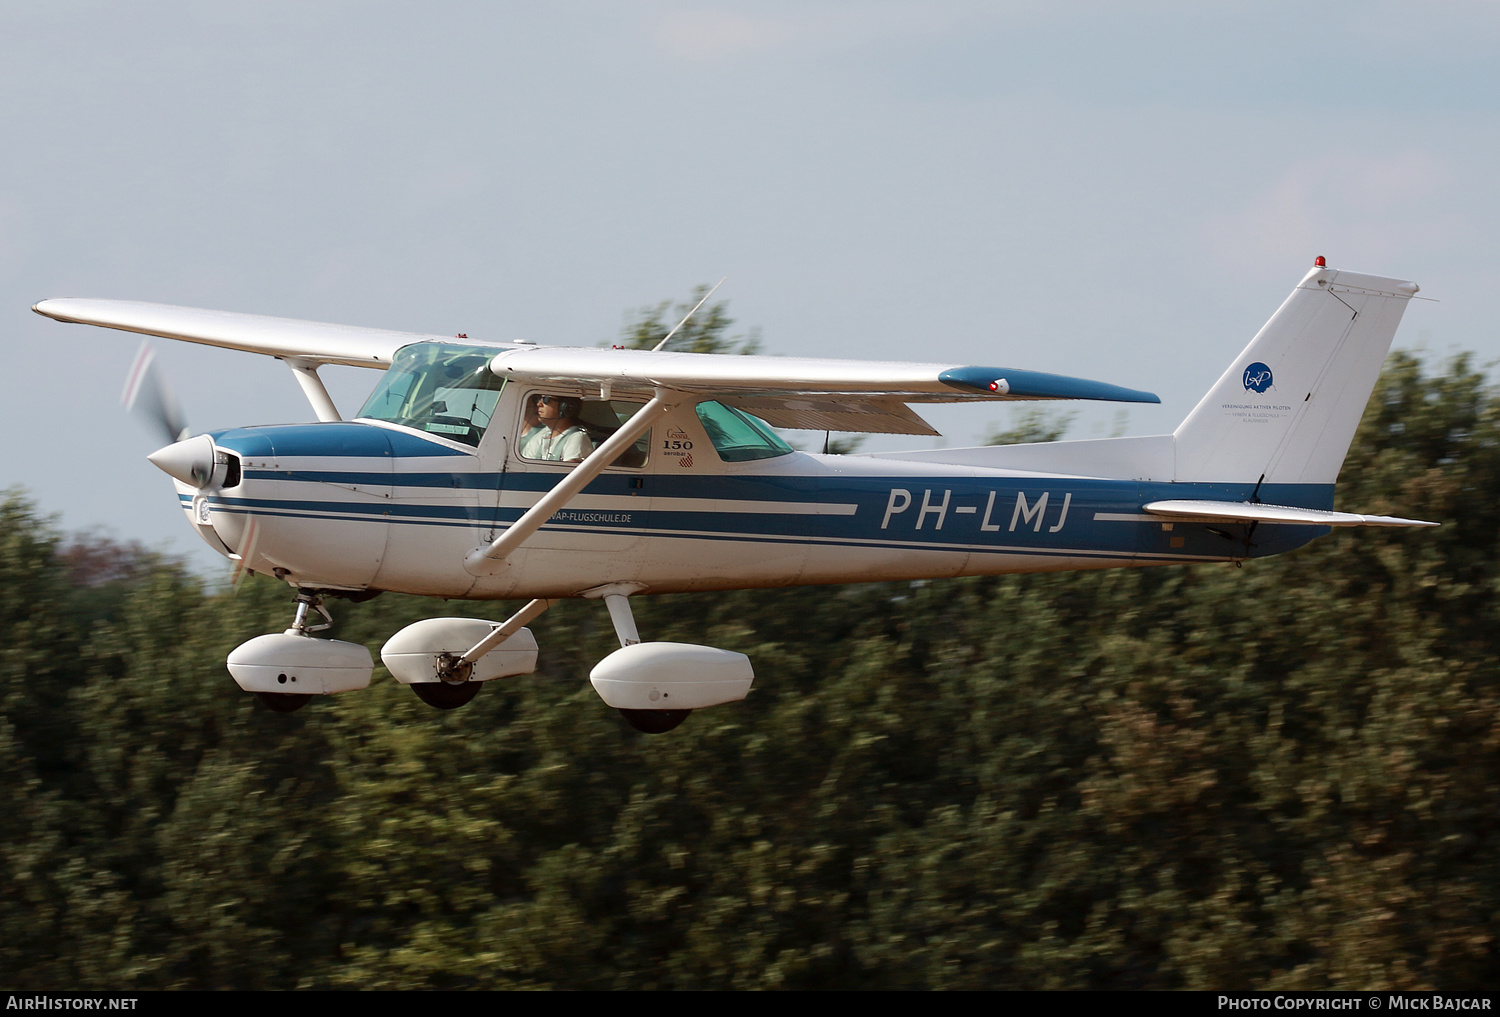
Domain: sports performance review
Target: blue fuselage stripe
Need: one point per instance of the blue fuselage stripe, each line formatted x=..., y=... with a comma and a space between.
x=994, y=514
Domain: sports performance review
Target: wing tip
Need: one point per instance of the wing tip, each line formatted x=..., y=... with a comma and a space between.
x=1002, y=382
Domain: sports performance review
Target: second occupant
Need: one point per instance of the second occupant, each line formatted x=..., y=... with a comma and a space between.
x=558, y=438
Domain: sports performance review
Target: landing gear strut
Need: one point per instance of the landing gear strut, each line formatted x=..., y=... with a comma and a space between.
x=286, y=669
x=446, y=649
x=290, y=702
x=617, y=599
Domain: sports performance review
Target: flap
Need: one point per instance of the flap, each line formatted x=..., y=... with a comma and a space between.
x=826, y=413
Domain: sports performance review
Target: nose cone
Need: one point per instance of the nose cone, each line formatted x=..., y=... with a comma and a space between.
x=190, y=461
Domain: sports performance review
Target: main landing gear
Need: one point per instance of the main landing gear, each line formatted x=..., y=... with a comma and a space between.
x=445, y=695
x=617, y=599
x=445, y=661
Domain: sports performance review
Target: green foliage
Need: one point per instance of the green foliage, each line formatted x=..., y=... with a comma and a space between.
x=1030, y=425
x=1282, y=776
x=705, y=332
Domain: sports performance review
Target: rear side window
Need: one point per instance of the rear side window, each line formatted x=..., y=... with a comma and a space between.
x=739, y=437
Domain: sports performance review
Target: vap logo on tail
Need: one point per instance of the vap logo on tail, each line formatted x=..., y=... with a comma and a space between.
x=1257, y=377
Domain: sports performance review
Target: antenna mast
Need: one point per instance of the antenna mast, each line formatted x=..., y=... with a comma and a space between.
x=685, y=317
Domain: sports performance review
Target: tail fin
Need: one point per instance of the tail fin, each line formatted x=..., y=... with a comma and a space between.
x=1287, y=408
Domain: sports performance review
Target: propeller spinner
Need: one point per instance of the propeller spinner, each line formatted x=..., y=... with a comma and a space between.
x=190, y=460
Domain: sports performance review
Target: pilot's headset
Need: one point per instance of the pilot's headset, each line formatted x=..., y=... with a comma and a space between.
x=569, y=407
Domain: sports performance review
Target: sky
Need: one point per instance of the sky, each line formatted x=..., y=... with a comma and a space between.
x=1123, y=192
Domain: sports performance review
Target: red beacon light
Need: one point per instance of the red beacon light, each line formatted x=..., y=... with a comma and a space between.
x=1320, y=262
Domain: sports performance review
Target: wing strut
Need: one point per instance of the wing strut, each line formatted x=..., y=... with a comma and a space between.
x=306, y=373
x=485, y=560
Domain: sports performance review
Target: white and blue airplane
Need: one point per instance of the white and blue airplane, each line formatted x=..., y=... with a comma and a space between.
x=678, y=484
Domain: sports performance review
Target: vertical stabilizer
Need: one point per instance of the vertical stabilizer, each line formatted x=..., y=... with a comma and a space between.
x=1288, y=407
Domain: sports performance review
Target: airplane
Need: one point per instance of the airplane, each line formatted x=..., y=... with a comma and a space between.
x=499, y=470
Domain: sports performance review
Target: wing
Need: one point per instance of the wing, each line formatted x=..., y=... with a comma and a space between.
x=791, y=392
x=800, y=392
x=312, y=341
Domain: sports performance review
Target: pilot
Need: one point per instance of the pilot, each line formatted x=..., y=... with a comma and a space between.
x=531, y=422
x=559, y=437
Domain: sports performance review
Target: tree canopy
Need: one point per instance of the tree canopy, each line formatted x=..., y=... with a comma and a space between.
x=1281, y=776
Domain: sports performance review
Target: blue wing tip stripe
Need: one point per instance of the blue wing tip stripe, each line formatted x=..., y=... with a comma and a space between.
x=1036, y=385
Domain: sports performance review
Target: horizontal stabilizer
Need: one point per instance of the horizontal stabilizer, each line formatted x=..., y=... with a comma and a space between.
x=1253, y=512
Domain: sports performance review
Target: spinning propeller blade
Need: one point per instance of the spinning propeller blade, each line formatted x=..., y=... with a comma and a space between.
x=246, y=555
x=146, y=392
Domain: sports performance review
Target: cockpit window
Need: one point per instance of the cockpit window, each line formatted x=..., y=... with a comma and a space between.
x=738, y=436
x=444, y=389
x=568, y=428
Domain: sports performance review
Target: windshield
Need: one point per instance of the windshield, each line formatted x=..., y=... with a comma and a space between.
x=441, y=388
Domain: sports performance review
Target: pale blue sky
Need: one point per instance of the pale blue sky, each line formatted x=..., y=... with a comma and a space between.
x=1120, y=191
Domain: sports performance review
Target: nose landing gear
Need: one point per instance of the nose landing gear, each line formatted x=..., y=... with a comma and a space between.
x=286, y=669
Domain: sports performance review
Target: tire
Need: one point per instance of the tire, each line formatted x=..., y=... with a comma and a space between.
x=282, y=702
x=654, y=721
x=443, y=696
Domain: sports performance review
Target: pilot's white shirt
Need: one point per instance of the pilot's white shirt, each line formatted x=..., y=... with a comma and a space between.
x=565, y=447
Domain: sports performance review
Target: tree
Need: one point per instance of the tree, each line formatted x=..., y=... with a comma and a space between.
x=705, y=332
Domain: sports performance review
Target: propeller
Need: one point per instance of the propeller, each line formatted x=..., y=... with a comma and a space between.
x=247, y=554
x=147, y=393
x=190, y=460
